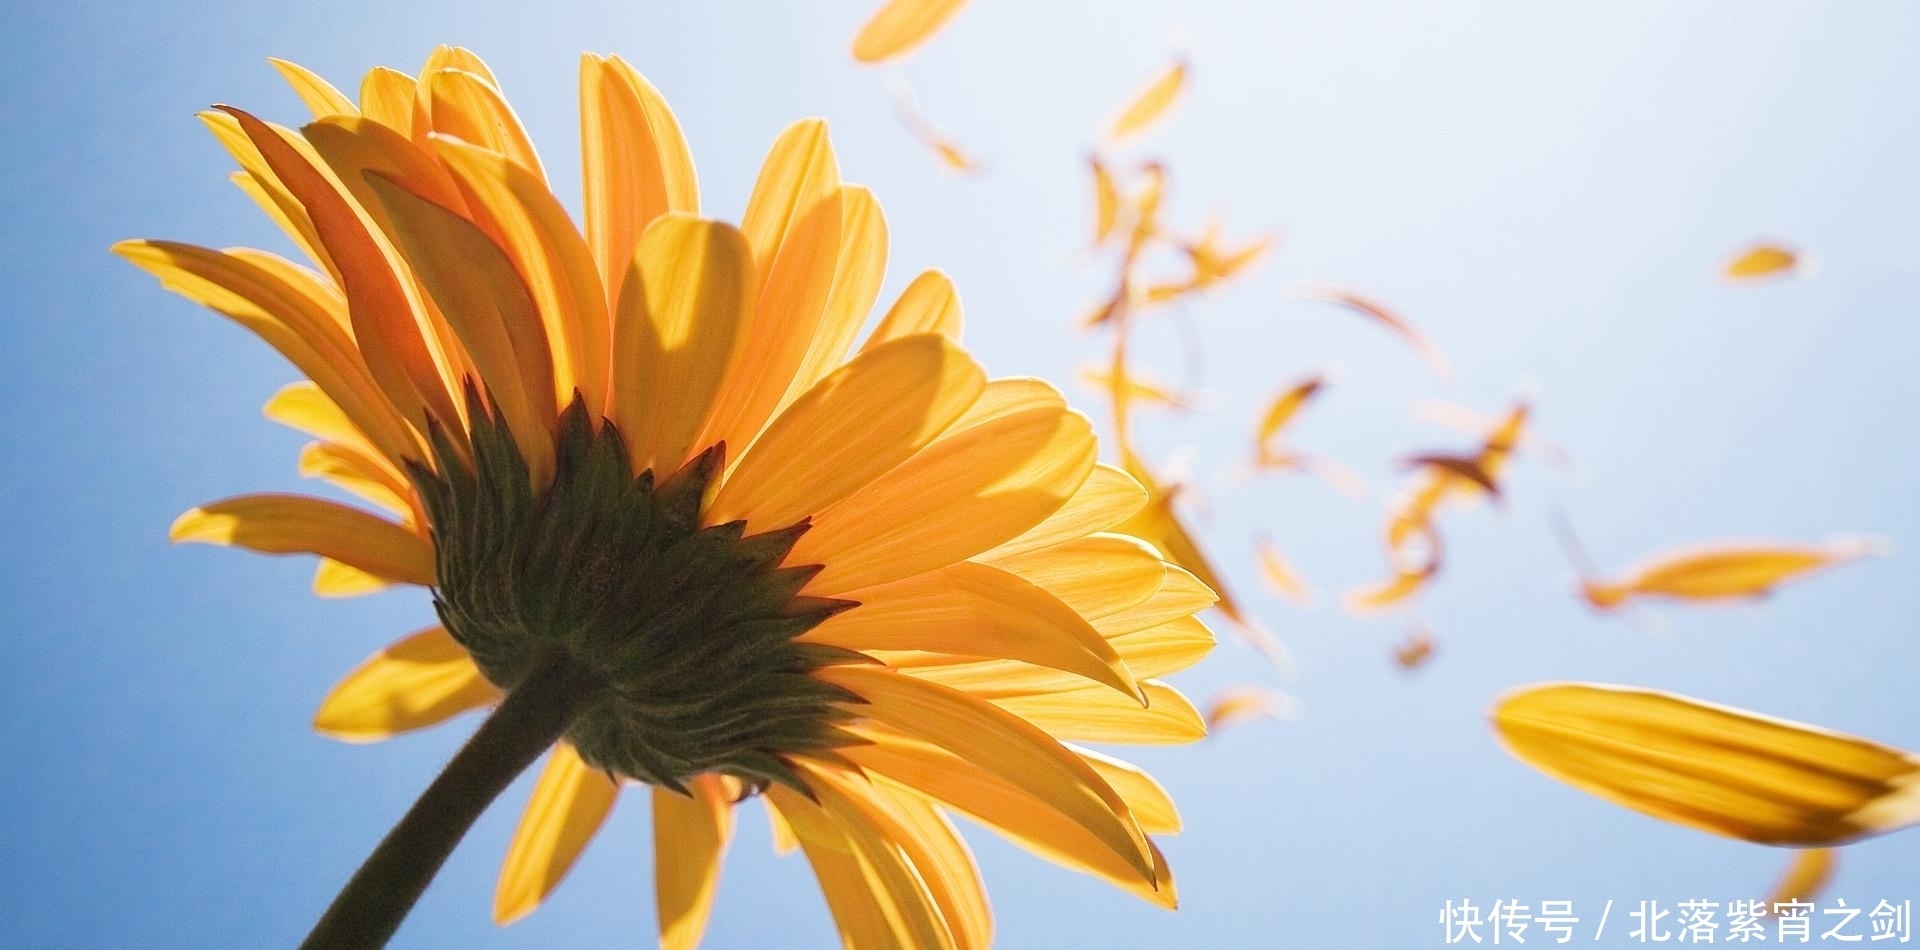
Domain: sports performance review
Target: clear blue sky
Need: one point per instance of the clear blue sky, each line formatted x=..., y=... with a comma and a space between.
x=1547, y=189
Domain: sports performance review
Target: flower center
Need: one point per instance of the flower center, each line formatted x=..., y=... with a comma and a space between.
x=687, y=631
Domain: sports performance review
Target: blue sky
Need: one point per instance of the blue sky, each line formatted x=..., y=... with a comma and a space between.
x=1547, y=189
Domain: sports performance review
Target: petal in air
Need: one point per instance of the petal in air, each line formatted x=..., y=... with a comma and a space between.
x=1764, y=261
x=1151, y=103
x=1727, y=570
x=899, y=27
x=1380, y=313
x=1242, y=703
x=1711, y=767
x=945, y=147
x=1806, y=875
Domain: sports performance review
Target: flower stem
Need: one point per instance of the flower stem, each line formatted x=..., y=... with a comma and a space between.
x=534, y=715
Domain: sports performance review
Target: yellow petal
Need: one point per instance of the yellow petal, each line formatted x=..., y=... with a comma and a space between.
x=290, y=319
x=1387, y=594
x=975, y=610
x=1138, y=388
x=1013, y=809
x=690, y=835
x=1097, y=575
x=1284, y=408
x=570, y=802
x=965, y=493
x=899, y=27
x=484, y=300
x=1106, y=201
x=1005, y=745
x=796, y=268
x=1241, y=703
x=877, y=899
x=1157, y=525
x=319, y=95
x=1152, y=807
x=800, y=171
x=782, y=833
x=860, y=267
x=683, y=312
x=1180, y=595
x=387, y=96
x=637, y=163
x=1385, y=316
x=1711, y=767
x=551, y=258
x=855, y=426
x=1154, y=651
x=302, y=406
x=1164, y=648
x=1762, y=261
x=1108, y=497
x=934, y=847
x=348, y=469
x=334, y=579
x=1806, y=876
x=1100, y=715
x=265, y=187
x=386, y=328
x=417, y=682
x=295, y=524
x=1731, y=570
x=1280, y=575
x=928, y=305
x=1151, y=103
x=469, y=107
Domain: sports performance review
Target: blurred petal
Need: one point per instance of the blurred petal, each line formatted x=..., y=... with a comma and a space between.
x=901, y=26
x=1711, y=767
x=1151, y=103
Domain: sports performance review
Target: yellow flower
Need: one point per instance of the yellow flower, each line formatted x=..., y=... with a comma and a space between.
x=865, y=582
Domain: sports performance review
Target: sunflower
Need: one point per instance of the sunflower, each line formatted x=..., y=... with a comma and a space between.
x=678, y=528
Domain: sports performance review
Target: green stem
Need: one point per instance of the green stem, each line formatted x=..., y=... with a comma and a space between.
x=533, y=717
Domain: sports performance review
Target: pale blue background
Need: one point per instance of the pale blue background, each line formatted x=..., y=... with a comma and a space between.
x=1548, y=190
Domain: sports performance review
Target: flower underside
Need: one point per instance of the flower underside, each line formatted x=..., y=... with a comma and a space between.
x=685, y=631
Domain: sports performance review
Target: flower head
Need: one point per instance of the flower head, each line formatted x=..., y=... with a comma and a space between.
x=864, y=582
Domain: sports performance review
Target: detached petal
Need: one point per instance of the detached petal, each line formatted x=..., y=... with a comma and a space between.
x=1711, y=767
x=901, y=26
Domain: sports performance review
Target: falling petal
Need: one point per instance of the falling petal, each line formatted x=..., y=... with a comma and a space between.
x=1151, y=103
x=1805, y=876
x=1106, y=202
x=1242, y=703
x=1379, y=312
x=1727, y=570
x=1279, y=574
x=1138, y=388
x=1763, y=261
x=901, y=26
x=1415, y=651
x=952, y=156
x=1711, y=767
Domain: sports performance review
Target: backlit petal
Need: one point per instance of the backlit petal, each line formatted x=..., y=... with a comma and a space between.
x=296, y=524
x=417, y=682
x=570, y=802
